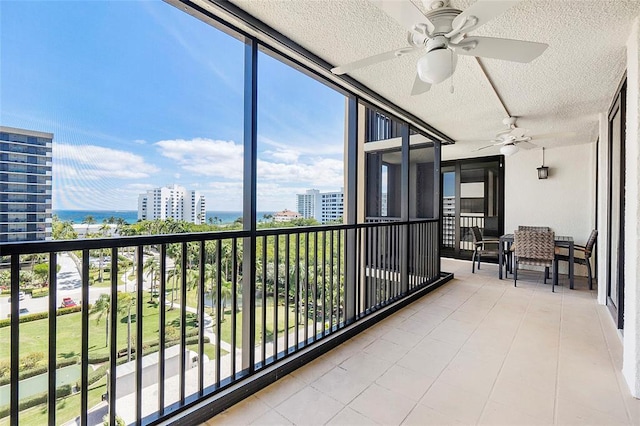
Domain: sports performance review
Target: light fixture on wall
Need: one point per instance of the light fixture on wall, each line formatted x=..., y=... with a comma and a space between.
x=543, y=172
x=509, y=149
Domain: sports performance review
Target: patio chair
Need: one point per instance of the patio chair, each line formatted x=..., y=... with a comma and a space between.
x=534, y=229
x=483, y=247
x=581, y=255
x=536, y=249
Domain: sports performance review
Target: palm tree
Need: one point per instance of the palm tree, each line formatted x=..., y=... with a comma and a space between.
x=126, y=302
x=88, y=220
x=104, y=231
x=102, y=307
x=152, y=267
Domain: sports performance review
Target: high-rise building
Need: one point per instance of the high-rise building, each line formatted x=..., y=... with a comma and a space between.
x=174, y=202
x=321, y=206
x=25, y=185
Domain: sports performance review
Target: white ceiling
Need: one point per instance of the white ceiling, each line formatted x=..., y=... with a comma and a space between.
x=562, y=90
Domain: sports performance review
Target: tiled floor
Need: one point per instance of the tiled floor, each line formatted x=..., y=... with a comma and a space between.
x=475, y=351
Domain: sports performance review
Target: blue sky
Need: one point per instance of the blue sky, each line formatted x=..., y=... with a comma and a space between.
x=139, y=94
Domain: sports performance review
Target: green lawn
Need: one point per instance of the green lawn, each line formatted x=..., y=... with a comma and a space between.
x=34, y=335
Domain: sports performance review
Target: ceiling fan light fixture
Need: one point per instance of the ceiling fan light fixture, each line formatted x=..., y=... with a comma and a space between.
x=437, y=65
x=509, y=150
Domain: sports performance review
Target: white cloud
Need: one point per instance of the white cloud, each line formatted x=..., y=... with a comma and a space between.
x=325, y=172
x=95, y=162
x=207, y=157
x=140, y=141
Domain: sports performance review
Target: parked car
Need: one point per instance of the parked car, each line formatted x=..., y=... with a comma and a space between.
x=68, y=302
x=23, y=311
x=21, y=296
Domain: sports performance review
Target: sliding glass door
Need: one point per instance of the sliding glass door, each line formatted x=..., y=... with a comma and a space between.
x=472, y=195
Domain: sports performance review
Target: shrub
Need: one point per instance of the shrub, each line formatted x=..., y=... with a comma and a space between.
x=40, y=315
x=40, y=292
x=97, y=374
x=29, y=361
x=41, y=398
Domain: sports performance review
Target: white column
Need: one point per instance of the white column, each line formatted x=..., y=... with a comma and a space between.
x=631, y=354
x=602, y=157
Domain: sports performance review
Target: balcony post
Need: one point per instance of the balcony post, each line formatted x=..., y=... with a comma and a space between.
x=404, y=212
x=249, y=204
x=351, y=202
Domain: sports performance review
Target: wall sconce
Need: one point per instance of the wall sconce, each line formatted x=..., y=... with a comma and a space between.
x=543, y=172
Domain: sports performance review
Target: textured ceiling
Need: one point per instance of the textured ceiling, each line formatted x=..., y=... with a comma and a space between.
x=562, y=90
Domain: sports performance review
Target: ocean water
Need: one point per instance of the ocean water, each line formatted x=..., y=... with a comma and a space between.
x=131, y=216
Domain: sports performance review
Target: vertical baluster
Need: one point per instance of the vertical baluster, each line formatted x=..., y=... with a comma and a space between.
x=297, y=290
x=139, y=332
x=15, y=338
x=287, y=265
x=338, y=276
x=276, y=265
x=200, y=322
x=163, y=326
x=331, y=284
x=183, y=320
x=84, y=360
x=53, y=272
x=315, y=285
x=323, y=328
x=113, y=338
x=219, y=310
x=234, y=305
x=306, y=289
x=264, y=300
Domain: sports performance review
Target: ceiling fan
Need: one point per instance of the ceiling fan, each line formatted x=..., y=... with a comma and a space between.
x=511, y=139
x=442, y=33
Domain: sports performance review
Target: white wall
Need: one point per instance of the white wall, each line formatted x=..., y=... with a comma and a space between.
x=631, y=350
x=565, y=201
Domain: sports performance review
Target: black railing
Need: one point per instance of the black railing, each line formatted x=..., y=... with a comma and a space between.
x=182, y=320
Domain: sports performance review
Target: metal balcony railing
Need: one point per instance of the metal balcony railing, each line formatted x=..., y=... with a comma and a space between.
x=188, y=316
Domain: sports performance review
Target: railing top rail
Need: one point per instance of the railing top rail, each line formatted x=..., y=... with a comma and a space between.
x=29, y=247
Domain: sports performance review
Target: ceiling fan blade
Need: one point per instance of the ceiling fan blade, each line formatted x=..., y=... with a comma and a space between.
x=557, y=135
x=526, y=145
x=485, y=147
x=405, y=13
x=365, y=62
x=500, y=48
x=419, y=86
x=518, y=132
x=484, y=11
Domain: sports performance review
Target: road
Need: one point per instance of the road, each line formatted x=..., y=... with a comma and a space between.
x=69, y=284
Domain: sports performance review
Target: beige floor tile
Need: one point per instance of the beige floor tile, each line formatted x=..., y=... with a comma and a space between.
x=386, y=350
x=524, y=398
x=279, y=391
x=243, y=413
x=271, y=417
x=402, y=338
x=313, y=370
x=476, y=350
x=409, y=383
x=572, y=413
x=422, y=415
x=309, y=407
x=505, y=415
x=350, y=417
x=454, y=402
x=382, y=405
x=340, y=385
x=366, y=367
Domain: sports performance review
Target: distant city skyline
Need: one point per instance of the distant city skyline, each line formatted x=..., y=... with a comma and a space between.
x=137, y=98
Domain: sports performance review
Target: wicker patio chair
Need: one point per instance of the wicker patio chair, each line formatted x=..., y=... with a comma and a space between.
x=536, y=249
x=581, y=255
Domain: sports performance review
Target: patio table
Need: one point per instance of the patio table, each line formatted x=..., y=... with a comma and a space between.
x=560, y=240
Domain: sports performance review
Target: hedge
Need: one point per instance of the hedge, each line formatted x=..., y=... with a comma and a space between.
x=41, y=398
x=41, y=369
x=40, y=315
x=40, y=292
